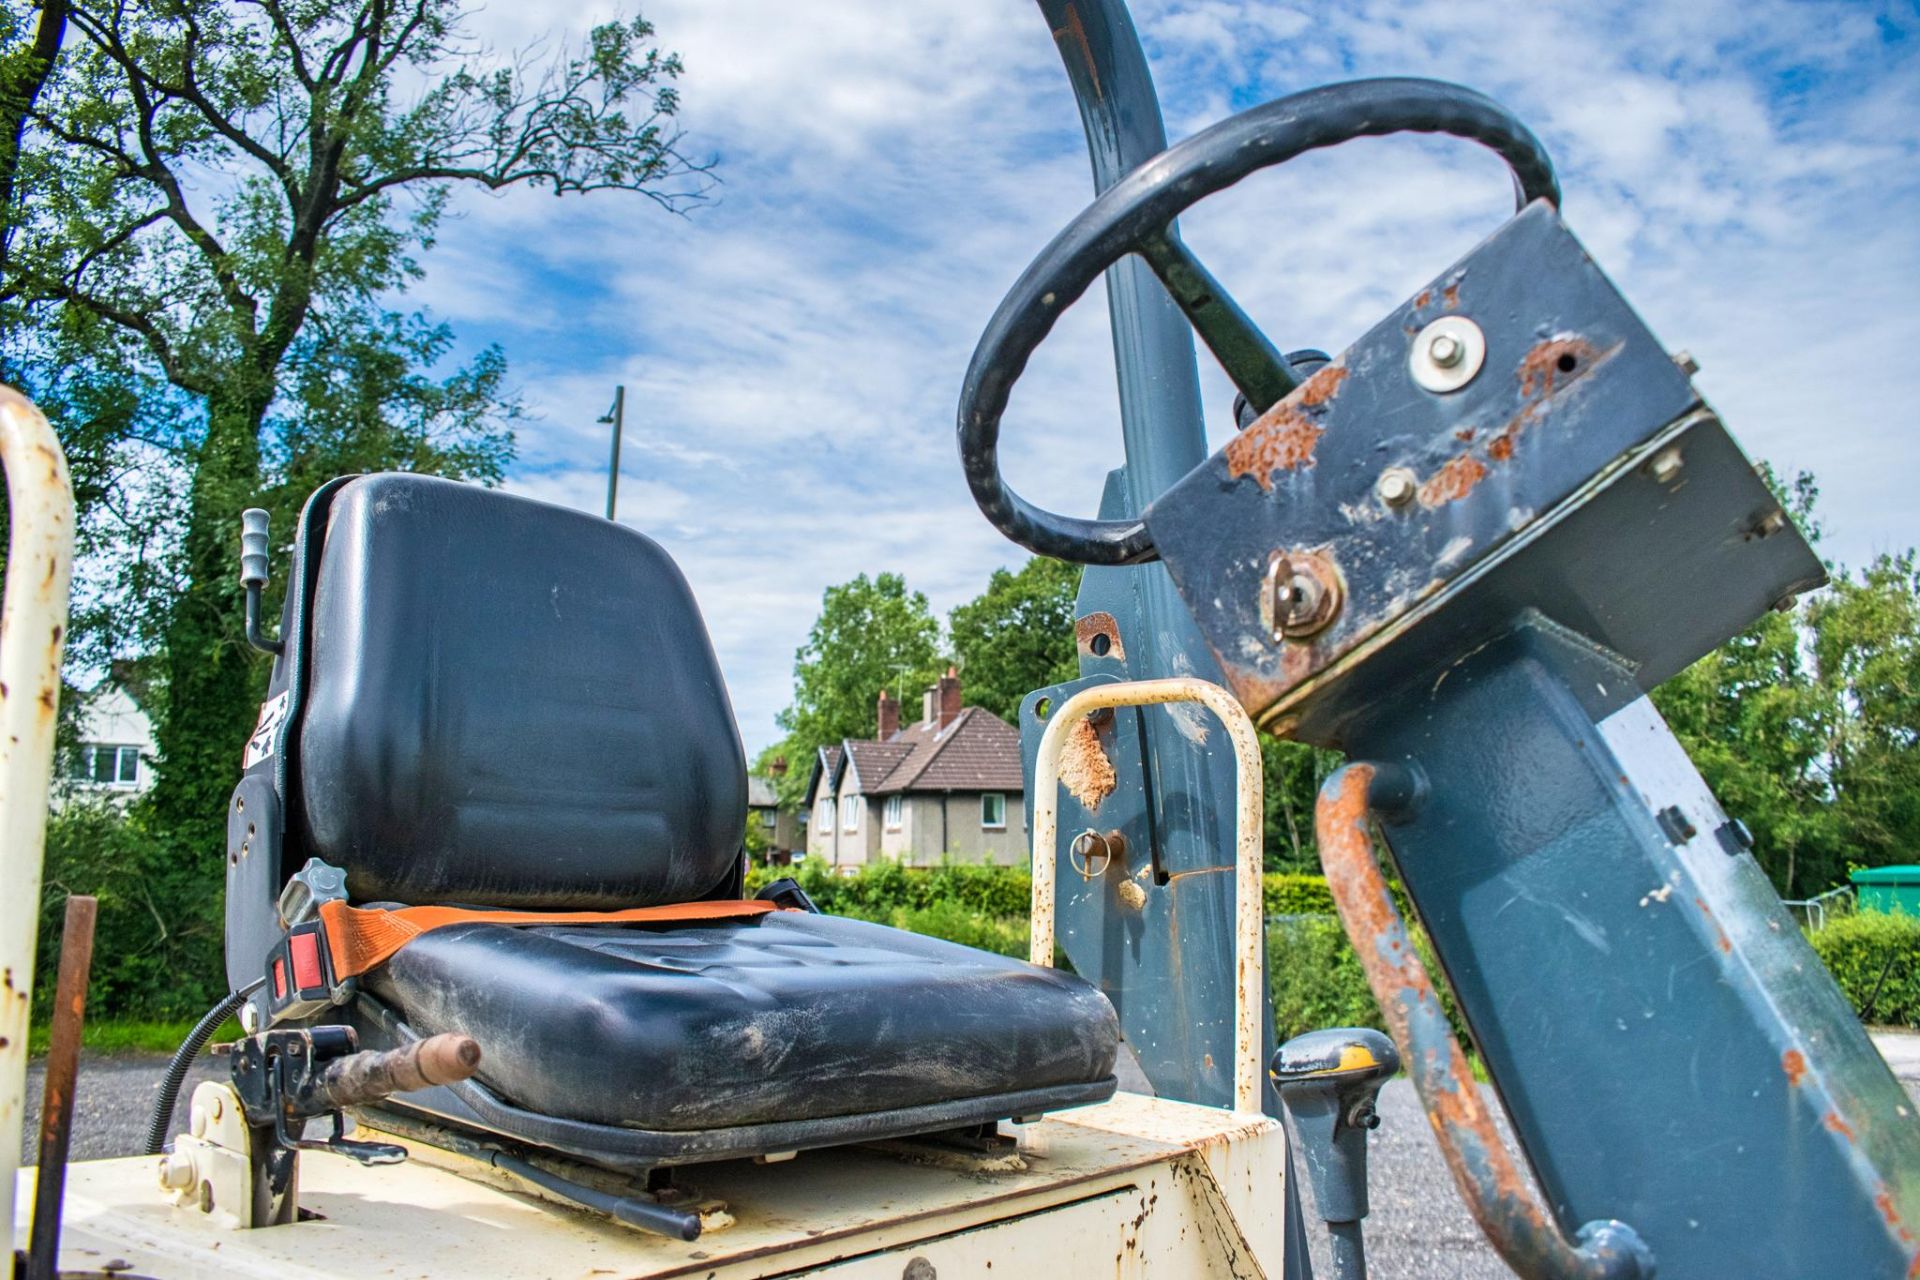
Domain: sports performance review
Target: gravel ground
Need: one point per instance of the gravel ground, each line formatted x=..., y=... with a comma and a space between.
x=1418, y=1230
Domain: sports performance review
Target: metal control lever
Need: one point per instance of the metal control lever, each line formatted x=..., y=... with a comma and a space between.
x=253, y=576
x=1328, y=1081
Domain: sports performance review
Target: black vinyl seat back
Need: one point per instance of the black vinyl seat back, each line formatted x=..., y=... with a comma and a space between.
x=508, y=704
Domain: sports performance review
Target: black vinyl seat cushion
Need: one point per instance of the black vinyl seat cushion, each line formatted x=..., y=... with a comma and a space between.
x=787, y=1017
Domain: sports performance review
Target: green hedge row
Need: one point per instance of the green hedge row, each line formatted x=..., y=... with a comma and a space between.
x=1876, y=959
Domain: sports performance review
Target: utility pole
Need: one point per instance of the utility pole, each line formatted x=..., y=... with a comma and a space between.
x=614, y=415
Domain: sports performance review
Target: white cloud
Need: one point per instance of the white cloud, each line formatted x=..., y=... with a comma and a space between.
x=792, y=351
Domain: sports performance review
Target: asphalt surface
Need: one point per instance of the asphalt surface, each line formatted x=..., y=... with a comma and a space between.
x=1418, y=1230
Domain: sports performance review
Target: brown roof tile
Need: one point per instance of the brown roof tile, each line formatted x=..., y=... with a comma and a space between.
x=977, y=752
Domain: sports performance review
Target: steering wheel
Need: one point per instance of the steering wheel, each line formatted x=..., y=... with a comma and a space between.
x=1135, y=215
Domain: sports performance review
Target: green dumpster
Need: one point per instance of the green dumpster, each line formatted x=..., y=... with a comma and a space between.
x=1888, y=889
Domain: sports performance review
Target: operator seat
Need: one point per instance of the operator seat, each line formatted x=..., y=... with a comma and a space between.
x=490, y=702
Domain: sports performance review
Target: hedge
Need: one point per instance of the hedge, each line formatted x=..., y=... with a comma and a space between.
x=1875, y=956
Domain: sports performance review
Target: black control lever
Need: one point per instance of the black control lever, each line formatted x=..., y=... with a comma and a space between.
x=1328, y=1081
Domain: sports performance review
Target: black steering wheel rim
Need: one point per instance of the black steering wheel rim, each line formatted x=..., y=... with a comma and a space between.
x=1145, y=203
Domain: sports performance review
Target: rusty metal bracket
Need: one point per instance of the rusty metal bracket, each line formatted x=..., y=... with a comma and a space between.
x=1250, y=818
x=1497, y=1194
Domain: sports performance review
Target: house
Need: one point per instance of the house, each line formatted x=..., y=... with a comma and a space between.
x=113, y=759
x=947, y=786
x=780, y=829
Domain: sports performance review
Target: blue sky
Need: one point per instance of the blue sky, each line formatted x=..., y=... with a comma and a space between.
x=1748, y=173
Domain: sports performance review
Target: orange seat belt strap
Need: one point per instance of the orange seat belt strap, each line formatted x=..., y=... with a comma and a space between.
x=363, y=938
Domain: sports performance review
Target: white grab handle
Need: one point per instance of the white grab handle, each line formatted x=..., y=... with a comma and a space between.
x=33, y=635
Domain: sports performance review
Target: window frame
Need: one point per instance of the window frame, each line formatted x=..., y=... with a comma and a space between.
x=1000, y=796
x=894, y=812
x=852, y=809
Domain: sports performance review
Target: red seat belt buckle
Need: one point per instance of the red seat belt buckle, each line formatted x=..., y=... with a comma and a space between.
x=300, y=973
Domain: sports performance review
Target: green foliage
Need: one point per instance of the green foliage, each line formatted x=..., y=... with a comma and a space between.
x=1293, y=774
x=1017, y=635
x=872, y=634
x=978, y=906
x=1875, y=957
x=129, y=1035
x=1315, y=979
x=1295, y=894
x=227, y=200
x=157, y=941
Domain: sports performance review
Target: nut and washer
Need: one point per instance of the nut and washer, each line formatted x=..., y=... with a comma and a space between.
x=1447, y=354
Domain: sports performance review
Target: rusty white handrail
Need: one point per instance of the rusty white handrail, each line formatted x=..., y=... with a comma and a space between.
x=33, y=634
x=1248, y=834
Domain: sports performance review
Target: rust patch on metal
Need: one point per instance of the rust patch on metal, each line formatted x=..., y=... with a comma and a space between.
x=1426, y=296
x=1548, y=367
x=1554, y=363
x=1794, y=1063
x=1453, y=481
x=1098, y=624
x=1085, y=770
x=1078, y=33
x=1285, y=436
x=1720, y=938
x=1833, y=1121
x=1451, y=295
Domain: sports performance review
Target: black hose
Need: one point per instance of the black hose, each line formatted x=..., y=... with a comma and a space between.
x=162, y=1122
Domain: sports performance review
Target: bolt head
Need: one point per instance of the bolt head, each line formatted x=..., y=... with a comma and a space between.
x=1688, y=365
x=1446, y=350
x=1395, y=487
x=1667, y=465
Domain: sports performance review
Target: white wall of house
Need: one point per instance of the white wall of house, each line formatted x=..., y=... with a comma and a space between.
x=954, y=826
x=115, y=758
x=842, y=832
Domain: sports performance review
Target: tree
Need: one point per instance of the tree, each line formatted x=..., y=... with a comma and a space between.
x=872, y=634
x=1866, y=654
x=1017, y=635
x=225, y=199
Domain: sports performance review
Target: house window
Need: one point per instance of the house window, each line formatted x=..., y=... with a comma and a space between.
x=823, y=814
x=896, y=806
x=993, y=811
x=769, y=818
x=851, y=807
x=108, y=765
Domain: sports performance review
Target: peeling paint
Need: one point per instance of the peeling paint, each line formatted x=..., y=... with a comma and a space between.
x=1085, y=770
x=1284, y=437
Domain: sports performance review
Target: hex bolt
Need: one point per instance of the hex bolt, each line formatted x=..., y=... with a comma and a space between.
x=1667, y=465
x=1395, y=487
x=1446, y=350
x=1688, y=365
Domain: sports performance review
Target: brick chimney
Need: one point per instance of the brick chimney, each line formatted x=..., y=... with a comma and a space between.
x=948, y=700
x=777, y=766
x=889, y=717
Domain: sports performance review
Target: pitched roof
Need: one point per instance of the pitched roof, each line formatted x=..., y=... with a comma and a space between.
x=760, y=793
x=873, y=761
x=826, y=764
x=977, y=752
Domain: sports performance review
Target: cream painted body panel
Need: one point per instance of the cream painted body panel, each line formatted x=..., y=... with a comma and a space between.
x=1132, y=1187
